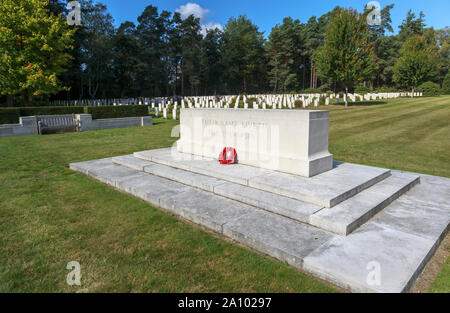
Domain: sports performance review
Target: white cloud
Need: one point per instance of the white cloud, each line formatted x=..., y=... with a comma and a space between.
x=192, y=9
x=199, y=12
x=210, y=25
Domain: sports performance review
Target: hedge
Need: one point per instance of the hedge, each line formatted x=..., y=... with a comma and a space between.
x=430, y=89
x=11, y=115
x=446, y=84
x=311, y=90
x=386, y=89
x=362, y=90
x=117, y=111
x=32, y=111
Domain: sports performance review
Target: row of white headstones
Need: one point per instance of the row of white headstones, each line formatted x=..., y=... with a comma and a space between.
x=286, y=101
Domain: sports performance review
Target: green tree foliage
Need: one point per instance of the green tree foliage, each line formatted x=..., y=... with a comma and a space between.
x=164, y=54
x=411, y=26
x=313, y=33
x=243, y=55
x=446, y=84
x=285, y=61
x=346, y=57
x=443, y=43
x=33, y=48
x=429, y=89
x=149, y=70
x=212, y=67
x=169, y=56
x=96, y=47
x=386, y=21
x=190, y=47
x=125, y=61
x=385, y=48
x=386, y=55
x=418, y=62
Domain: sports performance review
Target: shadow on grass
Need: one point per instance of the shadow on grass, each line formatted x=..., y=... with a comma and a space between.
x=160, y=120
x=361, y=103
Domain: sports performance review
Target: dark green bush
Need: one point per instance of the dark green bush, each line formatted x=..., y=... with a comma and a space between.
x=322, y=100
x=362, y=90
x=298, y=103
x=9, y=115
x=32, y=111
x=430, y=89
x=386, y=89
x=250, y=101
x=312, y=90
x=117, y=111
x=324, y=87
x=446, y=84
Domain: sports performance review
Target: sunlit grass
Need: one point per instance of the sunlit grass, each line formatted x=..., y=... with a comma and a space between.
x=51, y=215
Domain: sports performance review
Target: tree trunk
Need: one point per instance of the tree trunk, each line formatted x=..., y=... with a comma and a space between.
x=26, y=99
x=10, y=100
x=412, y=93
x=346, y=97
x=182, y=83
x=304, y=73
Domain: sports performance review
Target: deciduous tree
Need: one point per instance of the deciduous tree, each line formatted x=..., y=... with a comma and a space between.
x=418, y=62
x=346, y=56
x=33, y=48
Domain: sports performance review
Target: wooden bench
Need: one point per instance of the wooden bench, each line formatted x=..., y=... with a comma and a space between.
x=66, y=123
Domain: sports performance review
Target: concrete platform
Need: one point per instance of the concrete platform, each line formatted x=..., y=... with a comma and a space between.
x=326, y=190
x=341, y=219
x=396, y=232
x=237, y=173
x=297, y=210
x=349, y=215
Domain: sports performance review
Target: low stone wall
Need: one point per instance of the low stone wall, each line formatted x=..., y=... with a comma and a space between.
x=87, y=123
x=28, y=125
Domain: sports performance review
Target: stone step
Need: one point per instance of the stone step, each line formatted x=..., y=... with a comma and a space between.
x=399, y=240
x=327, y=189
x=349, y=215
x=341, y=219
x=185, y=177
x=294, y=209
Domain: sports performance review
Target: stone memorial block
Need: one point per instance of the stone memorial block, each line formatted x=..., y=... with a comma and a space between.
x=293, y=142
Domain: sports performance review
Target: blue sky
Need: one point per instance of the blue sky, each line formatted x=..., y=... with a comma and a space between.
x=267, y=13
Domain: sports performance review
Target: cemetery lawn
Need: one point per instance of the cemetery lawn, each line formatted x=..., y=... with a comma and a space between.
x=51, y=215
x=403, y=134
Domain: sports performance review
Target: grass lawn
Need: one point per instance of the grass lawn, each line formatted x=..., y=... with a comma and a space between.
x=50, y=215
x=442, y=282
